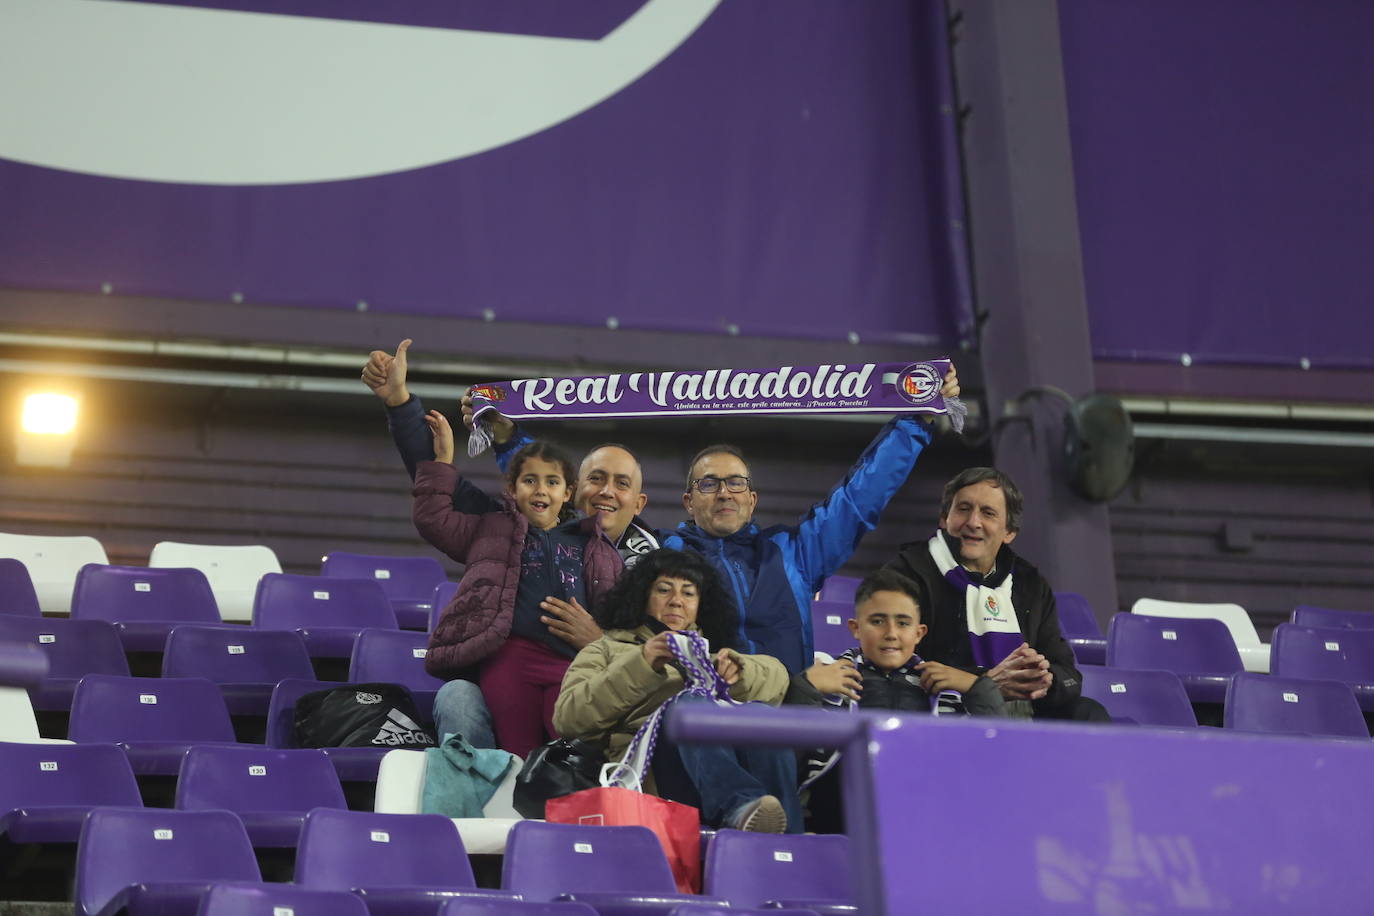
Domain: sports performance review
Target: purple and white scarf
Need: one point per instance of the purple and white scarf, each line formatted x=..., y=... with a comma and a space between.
x=884, y=388
x=993, y=630
x=822, y=760
x=700, y=679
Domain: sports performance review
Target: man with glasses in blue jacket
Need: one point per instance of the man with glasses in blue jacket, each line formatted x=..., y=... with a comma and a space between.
x=773, y=572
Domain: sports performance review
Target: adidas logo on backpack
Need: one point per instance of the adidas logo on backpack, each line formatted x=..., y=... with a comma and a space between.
x=400, y=729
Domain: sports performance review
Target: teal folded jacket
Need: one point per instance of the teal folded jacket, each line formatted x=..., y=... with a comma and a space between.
x=460, y=779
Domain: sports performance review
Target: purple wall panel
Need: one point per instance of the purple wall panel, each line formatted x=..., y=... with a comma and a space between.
x=790, y=160
x=1222, y=156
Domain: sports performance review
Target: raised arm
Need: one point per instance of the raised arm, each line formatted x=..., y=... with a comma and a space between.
x=434, y=514
x=825, y=539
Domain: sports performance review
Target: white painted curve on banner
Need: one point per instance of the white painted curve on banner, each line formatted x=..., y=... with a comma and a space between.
x=180, y=94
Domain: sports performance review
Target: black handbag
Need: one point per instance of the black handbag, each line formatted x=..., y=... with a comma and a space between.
x=555, y=769
x=360, y=715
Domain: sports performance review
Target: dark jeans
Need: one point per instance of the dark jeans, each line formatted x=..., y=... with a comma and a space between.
x=719, y=779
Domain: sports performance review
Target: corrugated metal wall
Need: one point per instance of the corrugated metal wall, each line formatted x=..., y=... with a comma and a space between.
x=1266, y=527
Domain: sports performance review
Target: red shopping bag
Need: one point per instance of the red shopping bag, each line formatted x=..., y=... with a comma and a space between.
x=677, y=826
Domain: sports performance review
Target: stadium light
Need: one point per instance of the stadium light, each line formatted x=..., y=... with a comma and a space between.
x=47, y=430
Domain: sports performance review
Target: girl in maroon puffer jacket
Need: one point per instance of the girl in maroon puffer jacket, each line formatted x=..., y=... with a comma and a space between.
x=518, y=616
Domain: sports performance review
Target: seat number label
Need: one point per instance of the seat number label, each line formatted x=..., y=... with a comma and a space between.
x=148, y=699
x=143, y=586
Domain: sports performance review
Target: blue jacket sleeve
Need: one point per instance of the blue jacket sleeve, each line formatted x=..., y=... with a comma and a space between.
x=504, y=453
x=825, y=539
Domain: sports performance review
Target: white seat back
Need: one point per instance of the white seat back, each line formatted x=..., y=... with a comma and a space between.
x=233, y=571
x=401, y=785
x=17, y=720
x=53, y=563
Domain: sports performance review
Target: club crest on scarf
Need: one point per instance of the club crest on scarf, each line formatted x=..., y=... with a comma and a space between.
x=920, y=383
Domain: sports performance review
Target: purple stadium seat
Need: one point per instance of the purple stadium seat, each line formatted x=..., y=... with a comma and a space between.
x=400, y=863
x=17, y=595
x=49, y=788
x=1139, y=696
x=74, y=649
x=271, y=790
x=1156, y=820
x=395, y=657
x=22, y=666
x=757, y=869
x=1269, y=703
x=278, y=900
x=443, y=594
x=154, y=719
x=608, y=867
x=353, y=764
x=1079, y=625
x=245, y=662
x=144, y=603
x=158, y=861
x=462, y=907
x=408, y=581
x=327, y=612
x=1306, y=615
x=1200, y=651
x=1329, y=654
x=841, y=589
x=830, y=626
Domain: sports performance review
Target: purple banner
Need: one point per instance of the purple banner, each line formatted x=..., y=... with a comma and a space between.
x=762, y=168
x=864, y=388
x=1222, y=157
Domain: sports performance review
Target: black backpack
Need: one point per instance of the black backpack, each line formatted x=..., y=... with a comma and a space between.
x=360, y=715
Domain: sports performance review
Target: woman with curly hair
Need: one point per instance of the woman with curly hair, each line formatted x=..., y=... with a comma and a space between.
x=617, y=682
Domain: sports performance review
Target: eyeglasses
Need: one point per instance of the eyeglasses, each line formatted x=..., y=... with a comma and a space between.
x=708, y=485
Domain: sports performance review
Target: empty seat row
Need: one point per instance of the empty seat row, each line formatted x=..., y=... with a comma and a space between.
x=166, y=861
x=146, y=603
x=1081, y=629
x=155, y=720
x=246, y=662
x=48, y=576
x=1253, y=702
x=1201, y=652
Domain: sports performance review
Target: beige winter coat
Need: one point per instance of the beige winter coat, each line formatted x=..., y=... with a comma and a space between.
x=610, y=690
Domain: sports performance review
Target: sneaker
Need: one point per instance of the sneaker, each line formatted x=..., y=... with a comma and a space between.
x=762, y=815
